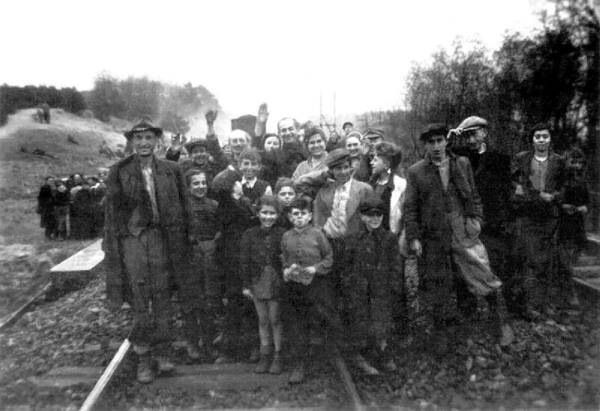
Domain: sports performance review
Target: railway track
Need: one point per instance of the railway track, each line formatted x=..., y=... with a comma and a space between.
x=352, y=398
x=351, y=390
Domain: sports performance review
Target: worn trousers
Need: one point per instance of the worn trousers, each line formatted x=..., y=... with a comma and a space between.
x=200, y=295
x=537, y=241
x=307, y=305
x=145, y=261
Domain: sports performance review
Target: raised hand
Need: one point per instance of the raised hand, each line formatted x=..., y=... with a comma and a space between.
x=263, y=113
x=176, y=142
x=211, y=116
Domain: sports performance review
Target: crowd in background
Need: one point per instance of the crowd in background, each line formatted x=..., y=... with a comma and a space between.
x=72, y=207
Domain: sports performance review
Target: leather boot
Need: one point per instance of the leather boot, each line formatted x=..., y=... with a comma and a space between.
x=276, y=366
x=263, y=362
x=164, y=365
x=298, y=374
x=145, y=374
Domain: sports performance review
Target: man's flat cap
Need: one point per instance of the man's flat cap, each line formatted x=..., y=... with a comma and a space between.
x=337, y=157
x=143, y=125
x=472, y=123
x=373, y=133
x=433, y=129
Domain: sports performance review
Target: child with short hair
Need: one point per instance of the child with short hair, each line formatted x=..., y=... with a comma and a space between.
x=373, y=273
x=260, y=269
x=204, y=286
x=286, y=193
x=250, y=164
x=571, y=229
x=307, y=261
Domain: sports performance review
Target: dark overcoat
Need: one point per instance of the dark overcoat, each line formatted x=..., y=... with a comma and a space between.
x=426, y=207
x=372, y=277
x=128, y=212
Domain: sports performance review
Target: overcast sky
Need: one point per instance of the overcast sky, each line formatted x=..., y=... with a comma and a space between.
x=283, y=52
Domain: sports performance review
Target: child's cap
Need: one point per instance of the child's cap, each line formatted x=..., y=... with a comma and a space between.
x=372, y=206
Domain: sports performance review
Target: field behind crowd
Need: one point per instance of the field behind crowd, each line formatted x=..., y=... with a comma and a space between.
x=69, y=144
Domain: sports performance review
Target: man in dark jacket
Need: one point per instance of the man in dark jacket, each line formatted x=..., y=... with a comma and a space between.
x=491, y=171
x=146, y=242
x=442, y=212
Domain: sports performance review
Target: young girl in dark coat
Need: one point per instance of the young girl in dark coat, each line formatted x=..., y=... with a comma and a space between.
x=260, y=266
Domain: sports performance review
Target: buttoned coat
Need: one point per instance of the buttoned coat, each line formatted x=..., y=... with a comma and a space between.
x=128, y=212
x=373, y=273
x=426, y=207
x=530, y=204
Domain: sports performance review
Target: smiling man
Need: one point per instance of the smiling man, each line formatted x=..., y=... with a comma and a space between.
x=145, y=243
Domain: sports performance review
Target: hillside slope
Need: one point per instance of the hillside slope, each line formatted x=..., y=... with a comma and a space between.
x=22, y=173
x=25, y=255
x=73, y=141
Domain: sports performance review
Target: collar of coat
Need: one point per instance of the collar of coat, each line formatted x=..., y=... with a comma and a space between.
x=458, y=174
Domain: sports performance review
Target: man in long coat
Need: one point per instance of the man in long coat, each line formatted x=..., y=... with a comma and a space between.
x=440, y=191
x=146, y=243
x=491, y=171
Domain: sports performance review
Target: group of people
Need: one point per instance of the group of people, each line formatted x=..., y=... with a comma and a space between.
x=72, y=207
x=308, y=239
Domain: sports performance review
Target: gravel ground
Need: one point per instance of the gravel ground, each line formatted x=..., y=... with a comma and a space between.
x=322, y=389
x=553, y=363
x=74, y=330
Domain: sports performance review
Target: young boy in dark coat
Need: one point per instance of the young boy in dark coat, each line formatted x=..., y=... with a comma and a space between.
x=373, y=272
x=250, y=165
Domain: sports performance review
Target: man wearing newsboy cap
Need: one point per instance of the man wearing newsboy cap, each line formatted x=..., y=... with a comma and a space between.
x=491, y=170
